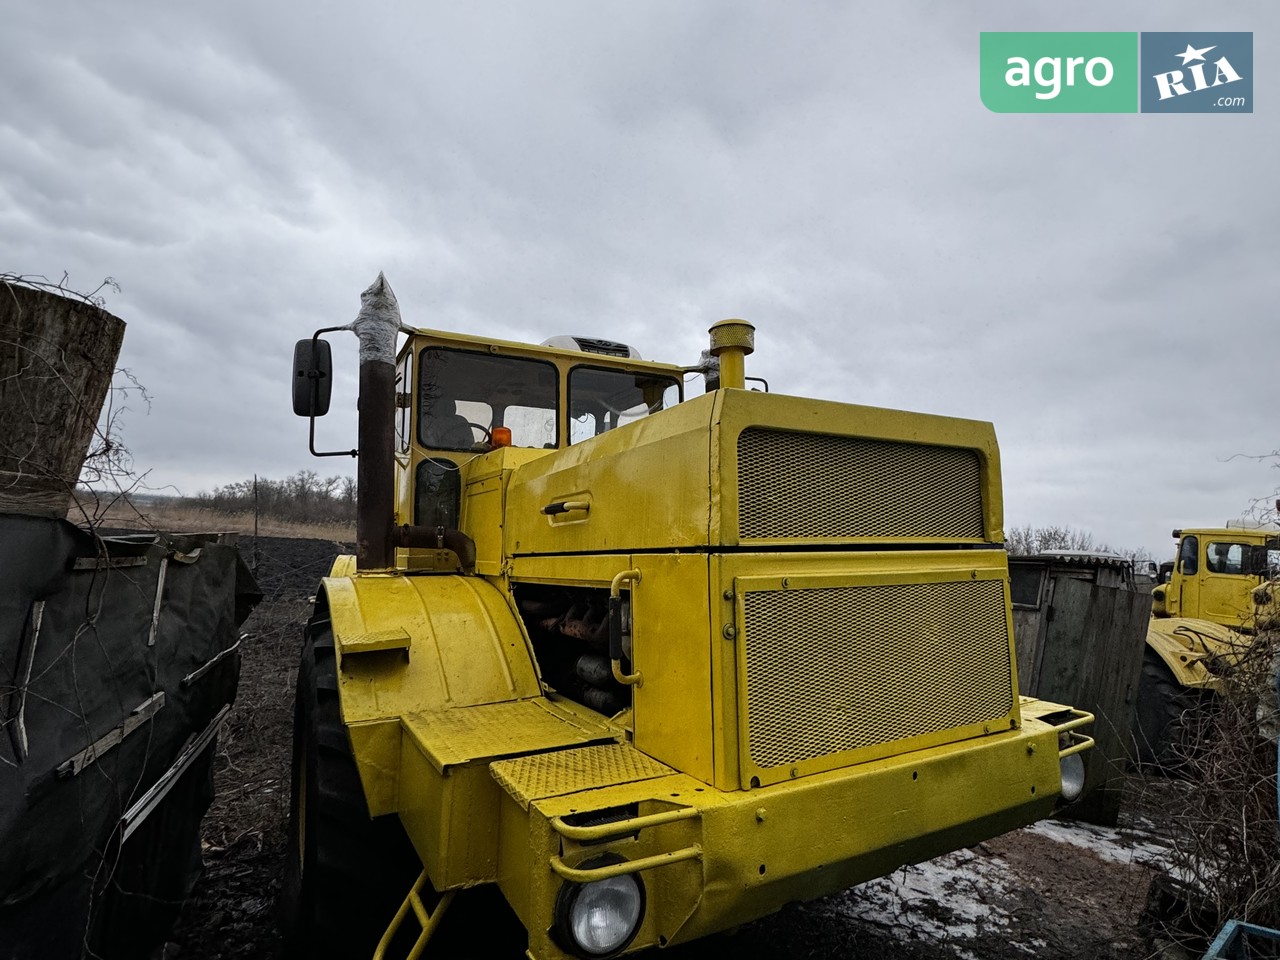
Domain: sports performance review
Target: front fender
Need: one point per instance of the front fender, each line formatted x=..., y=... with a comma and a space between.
x=416, y=644
x=1187, y=646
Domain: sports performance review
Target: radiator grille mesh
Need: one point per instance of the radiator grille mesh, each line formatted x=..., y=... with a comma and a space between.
x=841, y=668
x=811, y=485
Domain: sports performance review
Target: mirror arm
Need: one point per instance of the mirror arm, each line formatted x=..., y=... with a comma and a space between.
x=311, y=419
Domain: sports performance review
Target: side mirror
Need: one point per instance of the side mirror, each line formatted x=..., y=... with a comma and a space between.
x=312, y=377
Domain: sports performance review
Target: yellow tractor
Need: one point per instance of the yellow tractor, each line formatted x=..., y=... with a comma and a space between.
x=644, y=666
x=1203, y=616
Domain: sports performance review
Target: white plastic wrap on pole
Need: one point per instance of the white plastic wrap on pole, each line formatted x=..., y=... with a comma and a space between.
x=378, y=322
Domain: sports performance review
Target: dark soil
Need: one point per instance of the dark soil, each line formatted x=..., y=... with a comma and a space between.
x=1027, y=893
x=230, y=912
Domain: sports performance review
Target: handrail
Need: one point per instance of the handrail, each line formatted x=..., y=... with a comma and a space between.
x=1081, y=718
x=592, y=874
x=619, y=828
x=1084, y=743
x=615, y=629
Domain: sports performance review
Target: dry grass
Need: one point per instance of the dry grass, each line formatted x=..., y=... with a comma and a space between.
x=183, y=518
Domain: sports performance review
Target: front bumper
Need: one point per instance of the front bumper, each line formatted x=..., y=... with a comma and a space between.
x=713, y=859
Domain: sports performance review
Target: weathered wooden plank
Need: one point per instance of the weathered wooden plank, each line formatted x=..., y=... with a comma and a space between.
x=1091, y=658
x=1026, y=633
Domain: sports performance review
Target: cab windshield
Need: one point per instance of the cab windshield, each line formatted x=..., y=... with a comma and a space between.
x=462, y=396
x=601, y=399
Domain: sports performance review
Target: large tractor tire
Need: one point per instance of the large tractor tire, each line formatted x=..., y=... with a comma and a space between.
x=345, y=874
x=1167, y=719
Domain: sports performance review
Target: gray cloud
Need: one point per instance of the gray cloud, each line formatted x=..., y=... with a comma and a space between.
x=1094, y=285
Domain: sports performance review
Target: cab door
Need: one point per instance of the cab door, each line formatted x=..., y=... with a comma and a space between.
x=1226, y=584
x=1186, y=575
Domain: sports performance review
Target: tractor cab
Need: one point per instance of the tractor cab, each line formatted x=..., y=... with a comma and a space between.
x=460, y=400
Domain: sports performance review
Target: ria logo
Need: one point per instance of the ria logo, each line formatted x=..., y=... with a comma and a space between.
x=1197, y=73
x=1171, y=84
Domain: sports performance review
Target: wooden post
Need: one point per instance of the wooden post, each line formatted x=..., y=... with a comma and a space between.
x=57, y=355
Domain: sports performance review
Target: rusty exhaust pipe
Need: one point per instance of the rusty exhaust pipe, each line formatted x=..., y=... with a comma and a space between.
x=376, y=326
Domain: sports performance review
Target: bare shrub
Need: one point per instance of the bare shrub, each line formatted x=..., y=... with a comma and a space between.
x=1225, y=861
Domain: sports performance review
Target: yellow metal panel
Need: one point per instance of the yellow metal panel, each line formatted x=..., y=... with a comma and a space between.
x=451, y=819
x=672, y=649
x=586, y=571
x=482, y=521
x=394, y=638
x=448, y=801
x=648, y=484
x=822, y=834
x=454, y=737
x=466, y=645
x=724, y=672
x=570, y=771
x=376, y=747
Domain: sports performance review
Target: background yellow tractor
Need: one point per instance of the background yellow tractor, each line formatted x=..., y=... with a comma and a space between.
x=644, y=666
x=1204, y=614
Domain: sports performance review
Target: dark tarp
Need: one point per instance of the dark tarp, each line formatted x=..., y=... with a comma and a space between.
x=96, y=637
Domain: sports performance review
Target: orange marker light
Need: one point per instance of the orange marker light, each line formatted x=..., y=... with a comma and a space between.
x=501, y=436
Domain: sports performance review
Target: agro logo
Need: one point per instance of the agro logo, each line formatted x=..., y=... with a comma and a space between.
x=1059, y=72
x=1174, y=84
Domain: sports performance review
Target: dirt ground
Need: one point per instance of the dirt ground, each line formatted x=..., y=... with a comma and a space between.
x=1053, y=891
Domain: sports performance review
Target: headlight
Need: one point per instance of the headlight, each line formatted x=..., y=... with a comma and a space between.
x=1072, y=776
x=600, y=918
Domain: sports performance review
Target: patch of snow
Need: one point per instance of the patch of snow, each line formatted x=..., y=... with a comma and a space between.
x=949, y=899
x=963, y=895
x=1116, y=847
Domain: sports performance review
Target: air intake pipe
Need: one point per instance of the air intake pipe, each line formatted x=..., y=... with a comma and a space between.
x=731, y=341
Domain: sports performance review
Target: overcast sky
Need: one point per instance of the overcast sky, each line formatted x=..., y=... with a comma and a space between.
x=1102, y=288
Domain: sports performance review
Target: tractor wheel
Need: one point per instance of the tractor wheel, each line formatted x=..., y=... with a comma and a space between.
x=1166, y=718
x=345, y=874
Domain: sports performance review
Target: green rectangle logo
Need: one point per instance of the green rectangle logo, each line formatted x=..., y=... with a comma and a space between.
x=1059, y=72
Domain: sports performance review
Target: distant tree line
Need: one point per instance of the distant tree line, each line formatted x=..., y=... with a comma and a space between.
x=1026, y=540
x=304, y=497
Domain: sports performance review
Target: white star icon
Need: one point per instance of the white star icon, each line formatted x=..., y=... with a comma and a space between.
x=1191, y=53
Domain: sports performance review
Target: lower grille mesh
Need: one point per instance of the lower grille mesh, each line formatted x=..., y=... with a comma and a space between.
x=841, y=668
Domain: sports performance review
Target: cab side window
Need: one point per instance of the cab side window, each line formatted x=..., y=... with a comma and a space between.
x=602, y=399
x=404, y=401
x=1225, y=557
